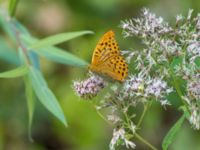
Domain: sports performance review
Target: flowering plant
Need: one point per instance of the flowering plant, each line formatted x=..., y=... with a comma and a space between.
x=168, y=63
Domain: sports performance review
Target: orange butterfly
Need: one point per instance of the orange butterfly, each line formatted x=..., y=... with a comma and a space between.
x=107, y=59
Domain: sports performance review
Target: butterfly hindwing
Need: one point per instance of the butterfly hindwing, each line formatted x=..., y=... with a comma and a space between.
x=115, y=67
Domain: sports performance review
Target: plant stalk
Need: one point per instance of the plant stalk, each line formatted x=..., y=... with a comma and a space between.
x=145, y=142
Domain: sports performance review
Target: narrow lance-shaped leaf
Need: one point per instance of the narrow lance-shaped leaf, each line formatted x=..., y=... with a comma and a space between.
x=7, y=26
x=30, y=103
x=169, y=138
x=60, y=56
x=197, y=61
x=34, y=59
x=58, y=38
x=7, y=54
x=20, y=27
x=56, y=54
x=45, y=95
x=18, y=72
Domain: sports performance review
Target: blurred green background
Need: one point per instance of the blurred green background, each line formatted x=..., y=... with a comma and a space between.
x=86, y=131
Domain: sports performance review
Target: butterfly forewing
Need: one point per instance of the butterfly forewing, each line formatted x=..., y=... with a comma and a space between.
x=106, y=47
x=107, y=59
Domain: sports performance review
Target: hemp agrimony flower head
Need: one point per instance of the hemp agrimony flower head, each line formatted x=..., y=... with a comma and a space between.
x=193, y=98
x=173, y=52
x=195, y=116
x=193, y=89
x=90, y=87
x=148, y=25
x=137, y=89
x=119, y=137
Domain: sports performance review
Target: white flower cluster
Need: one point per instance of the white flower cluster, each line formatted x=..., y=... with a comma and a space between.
x=195, y=116
x=158, y=88
x=148, y=25
x=169, y=49
x=90, y=87
x=193, y=89
x=137, y=89
x=193, y=100
x=118, y=137
x=194, y=48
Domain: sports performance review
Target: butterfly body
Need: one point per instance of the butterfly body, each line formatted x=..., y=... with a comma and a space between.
x=107, y=59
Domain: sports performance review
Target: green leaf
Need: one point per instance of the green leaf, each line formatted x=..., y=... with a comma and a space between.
x=22, y=56
x=45, y=95
x=7, y=27
x=12, y=7
x=7, y=54
x=174, y=99
x=58, y=38
x=56, y=54
x=60, y=56
x=169, y=138
x=175, y=62
x=30, y=103
x=20, y=27
x=18, y=72
x=34, y=59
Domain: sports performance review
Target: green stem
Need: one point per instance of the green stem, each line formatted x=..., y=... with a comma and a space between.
x=144, y=141
x=129, y=124
x=93, y=103
x=99, y=113
x=12, y=7
x=146, y=106
x=128, y=121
